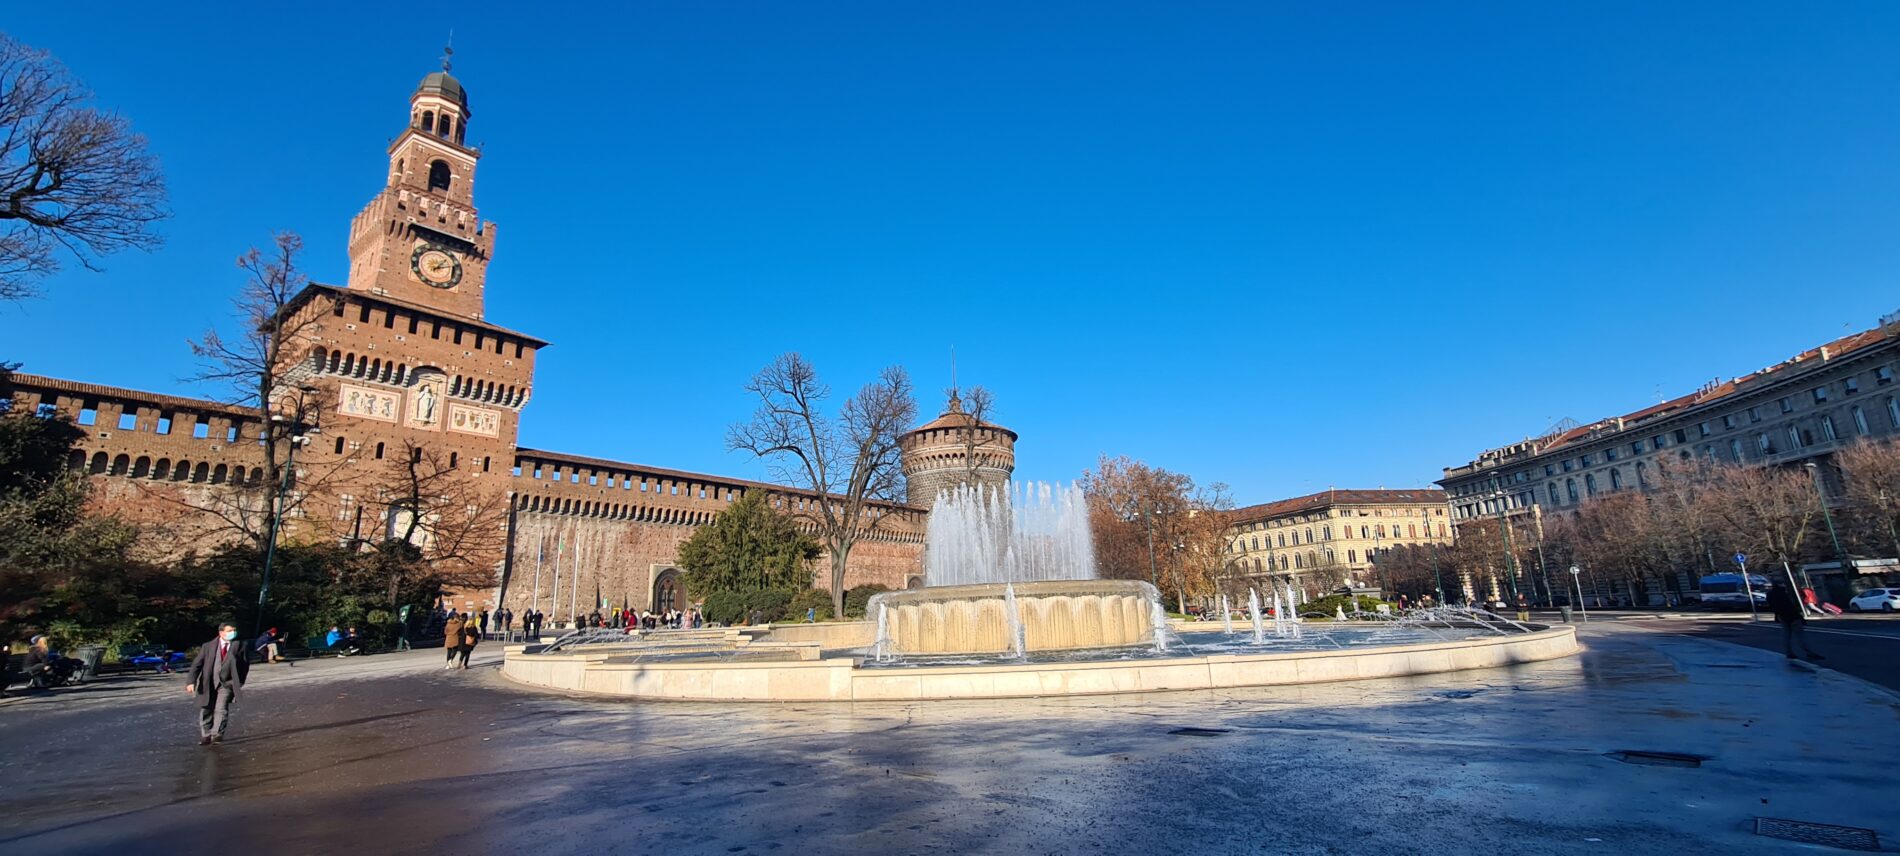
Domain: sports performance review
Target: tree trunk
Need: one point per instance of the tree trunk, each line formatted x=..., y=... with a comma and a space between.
x=840, y=554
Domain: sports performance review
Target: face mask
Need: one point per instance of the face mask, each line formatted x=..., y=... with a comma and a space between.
x=230, y=635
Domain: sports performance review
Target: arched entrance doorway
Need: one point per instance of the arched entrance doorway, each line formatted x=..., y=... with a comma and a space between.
x=668, y=591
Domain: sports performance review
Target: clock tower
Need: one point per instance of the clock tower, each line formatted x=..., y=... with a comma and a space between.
x=420, y=241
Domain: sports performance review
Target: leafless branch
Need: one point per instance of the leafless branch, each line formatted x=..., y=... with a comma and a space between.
x=72, y=177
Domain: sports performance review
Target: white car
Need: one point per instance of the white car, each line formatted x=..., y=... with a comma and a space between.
x=1883, y=599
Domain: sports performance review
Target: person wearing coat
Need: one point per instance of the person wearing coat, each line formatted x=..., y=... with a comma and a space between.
x=1785, y=603
x=471, y=636
x=452, y=637
x=216, y=675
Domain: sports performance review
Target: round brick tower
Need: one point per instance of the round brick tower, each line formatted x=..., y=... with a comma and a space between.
x=956, y=448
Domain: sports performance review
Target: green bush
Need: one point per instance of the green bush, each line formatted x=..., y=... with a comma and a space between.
x=725, y=607
x=1330, y=605
x=770, y=604
x=810, y=599
x=855, y=599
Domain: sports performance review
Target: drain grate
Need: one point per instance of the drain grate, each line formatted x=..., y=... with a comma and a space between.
x=1826, y=834
x=1200, y=732
x=1658, y=759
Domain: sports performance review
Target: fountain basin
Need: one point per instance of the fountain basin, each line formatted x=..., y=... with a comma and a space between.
x=842, y=679
x=1056, y=615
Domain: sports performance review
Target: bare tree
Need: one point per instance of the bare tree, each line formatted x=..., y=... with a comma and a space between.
x=1200, y=544
x=1871, y=471
x=850, y=464
x=71, y=176
x=1136, y=513
x=1767, y=511
x=458, y=526
x=255, y=367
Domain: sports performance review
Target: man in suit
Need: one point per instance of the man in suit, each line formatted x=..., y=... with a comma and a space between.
x=216, y=675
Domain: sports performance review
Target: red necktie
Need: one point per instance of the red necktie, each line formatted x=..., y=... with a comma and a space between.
x=222, y=648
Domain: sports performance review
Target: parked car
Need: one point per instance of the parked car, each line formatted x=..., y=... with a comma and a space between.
x=1883, y=599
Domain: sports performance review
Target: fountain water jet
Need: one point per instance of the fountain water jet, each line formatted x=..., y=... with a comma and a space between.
x=1253, y=610
x=1226, y=616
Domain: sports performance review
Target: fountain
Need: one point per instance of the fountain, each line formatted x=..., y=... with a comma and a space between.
x=1226, y=616
x=1012, y=609
x=1253, y=610
x=1012, y=571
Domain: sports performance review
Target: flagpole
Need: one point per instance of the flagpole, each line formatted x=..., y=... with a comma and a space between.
x=554, y=599
x=574, y=587
x=539, y=552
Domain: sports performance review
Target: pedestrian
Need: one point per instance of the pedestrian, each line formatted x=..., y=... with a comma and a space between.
x=1523, y=607
x=484, y=622
x=38, y=665
x=452, y=637
x=471, y=636
x=266, y=645
x=507, y=620
x=216, y=675
x=402, y=628
x=1787, y=607
x=811, y=615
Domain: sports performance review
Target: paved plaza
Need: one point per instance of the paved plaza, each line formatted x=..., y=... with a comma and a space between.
x=391, y=754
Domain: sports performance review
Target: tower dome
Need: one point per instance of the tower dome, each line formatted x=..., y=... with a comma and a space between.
x=444, y=85
x=953, y=449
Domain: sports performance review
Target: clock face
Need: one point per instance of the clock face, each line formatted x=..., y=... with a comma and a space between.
x=436, y=266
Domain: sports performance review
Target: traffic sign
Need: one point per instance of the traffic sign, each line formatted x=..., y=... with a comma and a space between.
x=1741, y=559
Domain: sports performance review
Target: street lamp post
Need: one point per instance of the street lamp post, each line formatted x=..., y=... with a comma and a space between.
x=1814, y=473
x=300, y=432
x=1510, y=562
x=1153, y=578
x=1437, y=578
x=1576, y=576
x=1886, y=510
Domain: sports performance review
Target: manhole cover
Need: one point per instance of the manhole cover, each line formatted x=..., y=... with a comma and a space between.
x=1200, y=732
x=1827, y=834
x=1658, y=759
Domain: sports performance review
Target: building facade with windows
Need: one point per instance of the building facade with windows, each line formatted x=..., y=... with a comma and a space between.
x=1800, y=410
x=1323, y=540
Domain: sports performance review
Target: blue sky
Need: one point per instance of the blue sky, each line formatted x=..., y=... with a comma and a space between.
x=1279, y=246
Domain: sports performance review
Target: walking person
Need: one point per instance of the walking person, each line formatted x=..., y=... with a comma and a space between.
x=216, y=675
x=1789, y=613
x=452, y=637
x=484, y=622
x=471, y=636
x=402, y=628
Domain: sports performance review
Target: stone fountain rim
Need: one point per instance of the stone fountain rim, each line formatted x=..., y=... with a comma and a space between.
x=1033, y=588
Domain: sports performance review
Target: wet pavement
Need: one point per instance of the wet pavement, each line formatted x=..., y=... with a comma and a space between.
x=391, y=754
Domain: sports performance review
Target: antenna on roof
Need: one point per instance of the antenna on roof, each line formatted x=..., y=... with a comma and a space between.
x=448, y=50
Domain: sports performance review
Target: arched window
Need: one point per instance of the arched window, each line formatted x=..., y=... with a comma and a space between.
x=1553, y=494
x=1642, y=473
x=1590, y=483
x=439, y=175
x=428, y=120
x=1570, y=489
x=1616, y=478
